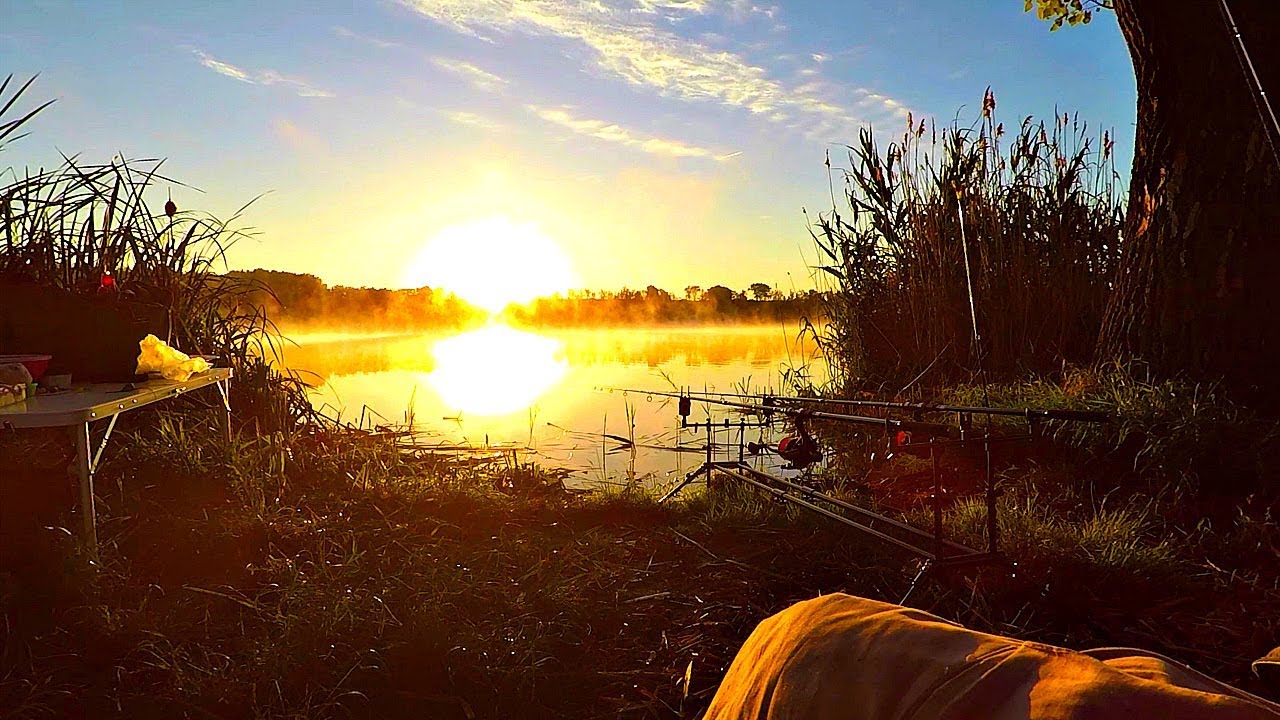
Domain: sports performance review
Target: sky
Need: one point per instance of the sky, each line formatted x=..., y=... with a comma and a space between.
x=665, y=142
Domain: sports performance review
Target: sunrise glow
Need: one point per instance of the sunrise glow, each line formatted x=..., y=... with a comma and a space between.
x=492, y=263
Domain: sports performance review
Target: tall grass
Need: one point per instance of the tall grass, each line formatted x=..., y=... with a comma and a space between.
x=1170, y=430
x=9, y=128
x=1040, y=210
x=72, y=226
x=1120, y=540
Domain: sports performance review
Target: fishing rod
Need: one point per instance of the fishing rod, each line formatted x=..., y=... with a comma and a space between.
x=1042, y=414
x=768, y=408
x=1270, y=125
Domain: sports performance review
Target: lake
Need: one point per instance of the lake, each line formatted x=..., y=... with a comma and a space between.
x=548, y=392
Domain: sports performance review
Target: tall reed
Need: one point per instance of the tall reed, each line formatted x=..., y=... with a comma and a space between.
x=79, y=224
x=1040, y=210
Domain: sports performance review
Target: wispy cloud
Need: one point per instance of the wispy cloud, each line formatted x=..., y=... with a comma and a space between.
x=480, y=78
x=260, y=77
x=457, y=117
x=743, y=10
x=465, y=117
x=664, y=6
x=349, y=34
x=612, y=132
x=625, y=43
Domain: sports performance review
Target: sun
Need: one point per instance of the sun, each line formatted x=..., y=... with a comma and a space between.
x=492, y=263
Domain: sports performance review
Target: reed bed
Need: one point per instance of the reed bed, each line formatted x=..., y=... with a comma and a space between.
x=1033, y=214
x=93, y=230
x=101, y=230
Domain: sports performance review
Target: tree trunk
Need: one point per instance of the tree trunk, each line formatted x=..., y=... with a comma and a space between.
x=1198, y=292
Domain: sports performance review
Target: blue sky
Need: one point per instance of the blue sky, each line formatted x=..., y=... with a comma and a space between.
x=671, y=142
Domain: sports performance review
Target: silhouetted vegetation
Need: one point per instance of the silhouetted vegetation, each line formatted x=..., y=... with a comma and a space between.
x=301, y=300
x=87, y=238
x=759, y=304
x=1032, y=214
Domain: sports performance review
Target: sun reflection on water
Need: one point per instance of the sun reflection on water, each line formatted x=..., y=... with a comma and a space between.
x=496, y=370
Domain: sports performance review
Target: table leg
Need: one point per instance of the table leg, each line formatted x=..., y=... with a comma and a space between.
x=224, y=389
x=84, y=471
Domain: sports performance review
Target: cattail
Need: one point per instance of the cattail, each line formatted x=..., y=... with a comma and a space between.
x=170, y=208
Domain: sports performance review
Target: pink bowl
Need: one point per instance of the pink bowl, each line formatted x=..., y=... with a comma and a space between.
x=35, y=364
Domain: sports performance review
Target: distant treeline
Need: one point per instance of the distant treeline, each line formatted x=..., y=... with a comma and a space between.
x=300, y=300
x=757, y=304
x=305, y=300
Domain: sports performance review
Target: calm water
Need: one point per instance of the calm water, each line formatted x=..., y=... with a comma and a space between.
x=547, y=391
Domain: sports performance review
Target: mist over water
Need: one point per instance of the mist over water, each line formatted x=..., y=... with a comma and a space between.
x=547, y=391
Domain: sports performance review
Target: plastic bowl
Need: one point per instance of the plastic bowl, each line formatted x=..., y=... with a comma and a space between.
x=35, y=364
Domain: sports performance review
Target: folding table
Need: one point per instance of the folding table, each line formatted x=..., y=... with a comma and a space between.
x=81, y=406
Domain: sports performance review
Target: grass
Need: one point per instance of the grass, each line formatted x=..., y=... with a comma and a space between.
x=1090, y=574
x=309, y=590
x=71, y=227
x=1034, y=211
x=9, y=127
x=1171, y=432
x=1118, y=542
x=342, y=577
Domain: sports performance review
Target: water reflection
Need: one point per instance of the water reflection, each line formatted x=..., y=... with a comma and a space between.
x=496, y=370
x=542, y=389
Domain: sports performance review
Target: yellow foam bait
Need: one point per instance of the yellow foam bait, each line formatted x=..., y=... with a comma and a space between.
x=158, y=357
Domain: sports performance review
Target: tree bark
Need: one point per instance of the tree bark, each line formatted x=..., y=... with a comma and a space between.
x=1198, y=290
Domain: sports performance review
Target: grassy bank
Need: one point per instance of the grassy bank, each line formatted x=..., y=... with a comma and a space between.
x=336, y=577
x=346, y=580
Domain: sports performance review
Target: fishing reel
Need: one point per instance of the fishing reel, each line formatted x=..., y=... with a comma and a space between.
x=799, y=450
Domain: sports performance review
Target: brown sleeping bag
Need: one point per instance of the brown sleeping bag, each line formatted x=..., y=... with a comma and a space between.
x=840, y=656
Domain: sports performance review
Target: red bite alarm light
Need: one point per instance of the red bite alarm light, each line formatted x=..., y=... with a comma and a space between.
x=901, y=443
